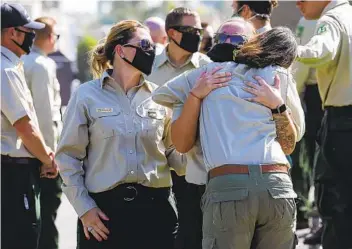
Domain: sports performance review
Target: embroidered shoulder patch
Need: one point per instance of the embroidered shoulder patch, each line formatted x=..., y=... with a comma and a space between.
x=321, y=29
x=299, y=31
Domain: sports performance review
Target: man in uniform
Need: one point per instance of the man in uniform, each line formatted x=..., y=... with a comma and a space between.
x=23, y=150
x=40, y=74
x=183, y=27
x=156, y=27
x=329, y=51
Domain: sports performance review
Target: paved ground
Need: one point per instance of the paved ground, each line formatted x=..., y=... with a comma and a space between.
x=67, y=222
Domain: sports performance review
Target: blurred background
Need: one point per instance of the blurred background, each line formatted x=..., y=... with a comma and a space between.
x=82, y=23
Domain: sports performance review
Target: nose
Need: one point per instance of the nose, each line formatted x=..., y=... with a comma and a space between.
x=228, y=40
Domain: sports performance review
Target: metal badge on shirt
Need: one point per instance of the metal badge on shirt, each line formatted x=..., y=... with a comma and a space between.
x=105, y=110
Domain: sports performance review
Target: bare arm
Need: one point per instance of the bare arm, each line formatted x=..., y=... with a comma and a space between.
x=32, y=139
x=184, y=129
x=285, y=131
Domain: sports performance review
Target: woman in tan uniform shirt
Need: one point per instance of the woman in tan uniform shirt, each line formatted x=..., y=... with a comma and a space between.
x=115, y=151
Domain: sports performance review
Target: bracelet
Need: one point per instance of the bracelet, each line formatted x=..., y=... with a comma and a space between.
x=195, y=96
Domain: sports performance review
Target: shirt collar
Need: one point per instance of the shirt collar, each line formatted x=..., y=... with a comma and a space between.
x=107, y=76
x=267, y=27
x=164, y=57
x=37, y=50
x=11, y=56
x=333, y=4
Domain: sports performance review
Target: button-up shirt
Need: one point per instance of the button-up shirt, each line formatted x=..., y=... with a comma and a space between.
x=263, y=29
x=329, y=51
x=40, y=73
x=16, y=103
x=233, y=130
x=303, y=74
x=110, y=137
x=163, y=71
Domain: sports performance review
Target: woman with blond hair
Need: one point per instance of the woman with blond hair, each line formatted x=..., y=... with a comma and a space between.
x=115, y=151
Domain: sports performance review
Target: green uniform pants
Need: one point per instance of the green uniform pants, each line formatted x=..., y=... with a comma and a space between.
x=249, y=211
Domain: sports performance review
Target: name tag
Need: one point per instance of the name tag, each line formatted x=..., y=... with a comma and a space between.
x=105, y=110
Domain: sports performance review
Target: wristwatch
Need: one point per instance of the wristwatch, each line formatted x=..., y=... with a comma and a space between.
x=280, y=109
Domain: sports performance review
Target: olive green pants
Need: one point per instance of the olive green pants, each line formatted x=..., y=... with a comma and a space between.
x=249, y=211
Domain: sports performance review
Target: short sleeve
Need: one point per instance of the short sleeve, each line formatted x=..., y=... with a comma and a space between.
x=14, y=102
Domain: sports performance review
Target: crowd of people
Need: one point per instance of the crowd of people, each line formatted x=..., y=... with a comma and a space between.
x=187, y=136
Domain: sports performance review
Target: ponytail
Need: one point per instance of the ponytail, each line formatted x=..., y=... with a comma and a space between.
x=98, y=61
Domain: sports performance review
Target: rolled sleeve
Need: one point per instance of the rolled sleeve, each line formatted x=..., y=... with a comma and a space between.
x=70, y=155
x=13, y=99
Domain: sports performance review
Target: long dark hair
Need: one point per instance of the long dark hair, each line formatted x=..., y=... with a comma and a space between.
x=274, y=47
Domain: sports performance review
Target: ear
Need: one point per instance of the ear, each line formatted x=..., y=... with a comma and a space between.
x=119, y=51
x=171, y=33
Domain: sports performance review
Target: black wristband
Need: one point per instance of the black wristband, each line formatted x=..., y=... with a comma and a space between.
x=280, y=109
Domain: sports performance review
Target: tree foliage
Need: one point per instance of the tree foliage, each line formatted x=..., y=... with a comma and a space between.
x=84, y=46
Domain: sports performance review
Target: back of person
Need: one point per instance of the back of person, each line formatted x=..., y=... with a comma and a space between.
x=253, y=137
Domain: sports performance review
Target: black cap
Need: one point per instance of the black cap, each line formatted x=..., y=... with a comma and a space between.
x=14, y=15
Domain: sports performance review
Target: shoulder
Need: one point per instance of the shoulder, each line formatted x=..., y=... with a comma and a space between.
x=86, y=89
x=202, y=58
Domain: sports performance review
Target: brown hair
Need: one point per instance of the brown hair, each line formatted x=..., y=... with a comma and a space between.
x=274, y=47
x=174, y=17
x=102, y=56
x=47, y=30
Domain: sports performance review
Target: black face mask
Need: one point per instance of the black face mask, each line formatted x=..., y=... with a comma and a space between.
x=27, y=41
x=143, y=60
x=189, y=42
x=223, y=52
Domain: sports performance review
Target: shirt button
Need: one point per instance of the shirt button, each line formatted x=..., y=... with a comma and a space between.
x=132, y=172
x=131, y=151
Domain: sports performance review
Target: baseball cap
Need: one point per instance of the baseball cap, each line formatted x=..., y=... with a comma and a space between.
x=14, y=15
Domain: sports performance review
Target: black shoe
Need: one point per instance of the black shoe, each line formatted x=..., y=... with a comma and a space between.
x=314, y=238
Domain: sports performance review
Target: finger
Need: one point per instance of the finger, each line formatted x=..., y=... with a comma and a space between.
x=96, y=235
x=100, y=232
x=86, y=233
x=252, y=85
x=249, y=99
x=220, y=80
x=221, y=75
x=202, y=75
x=277, y=82
x=220, y=85
x=250, y=90
x=215, y=70
x=102, y=227
x=102, y=215
x=260, y=80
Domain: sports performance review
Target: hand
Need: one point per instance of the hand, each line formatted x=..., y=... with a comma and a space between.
x=49, y=170
x=210, y=81
x=269, y=96
x=92, y=220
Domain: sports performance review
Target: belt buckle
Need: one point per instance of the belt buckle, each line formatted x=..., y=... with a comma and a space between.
x=128, y=199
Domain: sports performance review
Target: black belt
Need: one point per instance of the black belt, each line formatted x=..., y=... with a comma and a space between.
x=131, y=191
x=339, y=111
x=18, y=160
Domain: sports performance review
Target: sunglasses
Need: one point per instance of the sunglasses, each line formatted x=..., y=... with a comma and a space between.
x=144, y=44
x=234, y=39
x=188, y=29
x=57, y=36
x=25, y=32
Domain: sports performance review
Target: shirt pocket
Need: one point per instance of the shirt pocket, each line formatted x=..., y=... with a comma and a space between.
x=151, y=121
x=108, y=124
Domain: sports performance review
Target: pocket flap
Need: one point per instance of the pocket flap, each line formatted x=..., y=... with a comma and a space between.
x=151, y=112
x=230, y=194
x=283, y=192
x=105, y=112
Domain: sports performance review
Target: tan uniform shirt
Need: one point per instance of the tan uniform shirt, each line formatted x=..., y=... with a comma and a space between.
x=40, y=73
x=329, y=51
x=303, y=74
x=16, y=103
x=163, y=71
x=233, y=130
x=110, y=137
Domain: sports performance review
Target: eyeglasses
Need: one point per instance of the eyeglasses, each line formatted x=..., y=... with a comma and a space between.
x=144, y=44
x=234, y=39
x=25, y=32
x=188, y=29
